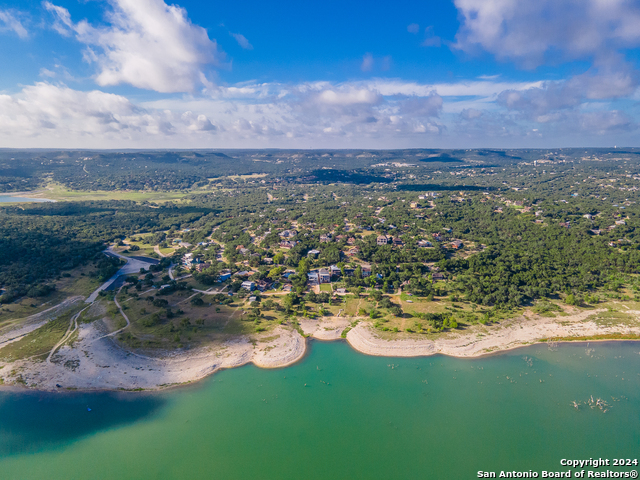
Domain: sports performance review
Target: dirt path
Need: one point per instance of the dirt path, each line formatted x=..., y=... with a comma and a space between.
x=157, y=250
x=73, y=326
x=115, y=300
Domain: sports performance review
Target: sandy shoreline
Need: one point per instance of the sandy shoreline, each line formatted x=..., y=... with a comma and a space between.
x=95, y=362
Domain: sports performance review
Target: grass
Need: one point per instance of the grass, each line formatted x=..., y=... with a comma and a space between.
x=39, y=342
x=326, y=287
x=611, y=318
x=57, y=192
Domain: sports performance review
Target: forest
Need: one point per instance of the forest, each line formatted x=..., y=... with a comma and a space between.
x=534, y=224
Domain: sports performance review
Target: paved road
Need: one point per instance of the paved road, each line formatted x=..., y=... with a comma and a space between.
x=134, y=264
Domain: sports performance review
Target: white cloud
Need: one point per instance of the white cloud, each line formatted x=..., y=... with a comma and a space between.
x=413, y=28
x=367, y=62
x=242, y=41
x=147, y=44
x=58, y=115
x=315, y=114
x=530, y=31
x=9, y=21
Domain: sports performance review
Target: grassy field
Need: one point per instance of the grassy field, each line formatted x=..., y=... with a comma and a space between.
x=54, y=191
x=38, y=343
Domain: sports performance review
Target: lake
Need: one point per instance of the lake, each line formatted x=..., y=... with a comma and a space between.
x=10, y=199
x=340, y=415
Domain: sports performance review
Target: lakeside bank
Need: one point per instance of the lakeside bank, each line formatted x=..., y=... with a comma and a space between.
x=95, y=362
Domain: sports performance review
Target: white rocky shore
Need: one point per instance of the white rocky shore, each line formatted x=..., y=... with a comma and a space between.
x=95, y=362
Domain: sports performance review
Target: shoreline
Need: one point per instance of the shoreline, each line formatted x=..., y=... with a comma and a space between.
x=107, y=367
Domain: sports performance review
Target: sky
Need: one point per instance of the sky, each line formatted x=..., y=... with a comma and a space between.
x=330, y=74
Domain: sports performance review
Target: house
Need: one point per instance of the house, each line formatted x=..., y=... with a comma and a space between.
x=437, y=276
x=595, y=232
x=248, y=285
x=224, y=275
x=397, y=242
x=326, y=238
x=620, y=222
x=588, y=216
x=202, y=266
x=457, y=244
x=351, y=241
x=313, y=253
x=341, y=291
x=382, y=240
x=324, y=276
x=287, y=288
x=252, y=299
x=244, y=251
x=288, y=233
x=366, y=270
x=263, y=285
x=424, y=243
x=288, y=244
x=437, y=237
x=268, y=260
x=335, y=271
x=314, y=278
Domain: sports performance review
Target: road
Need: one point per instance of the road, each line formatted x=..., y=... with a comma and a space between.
x=134, y=264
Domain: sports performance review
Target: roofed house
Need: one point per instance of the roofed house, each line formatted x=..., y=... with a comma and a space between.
x=437, y=276
x=324, y=276
x=457, y=244
x=382, y=240
x=248, y=285
x=424, y=243
x=313, y=253
x=224, y=275
x=288, y=233
x=326, y=238
x=288, y=244
x=366, y=270
x=397, y=242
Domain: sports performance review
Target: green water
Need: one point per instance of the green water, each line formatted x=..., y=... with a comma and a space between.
x=358, y=417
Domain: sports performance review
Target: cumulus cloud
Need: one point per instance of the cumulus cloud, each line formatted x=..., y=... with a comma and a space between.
x=413, y=28
x=531, y=31
x=242, y=41
x=9, y=21
x=57, y=113
x=606, y=83
x=147, y=44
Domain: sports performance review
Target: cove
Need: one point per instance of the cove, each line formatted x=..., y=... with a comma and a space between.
x=340, y=414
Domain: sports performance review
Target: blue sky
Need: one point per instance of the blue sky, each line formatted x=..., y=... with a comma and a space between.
x=331, y=74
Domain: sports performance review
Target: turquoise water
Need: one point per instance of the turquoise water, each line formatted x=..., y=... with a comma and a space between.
x=357, y=417
x=7, y=199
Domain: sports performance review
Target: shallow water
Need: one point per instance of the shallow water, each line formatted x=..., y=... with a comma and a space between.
x=9, y=199
x=339, y=414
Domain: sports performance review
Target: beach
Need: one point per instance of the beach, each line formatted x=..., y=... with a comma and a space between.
x=96, y=362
